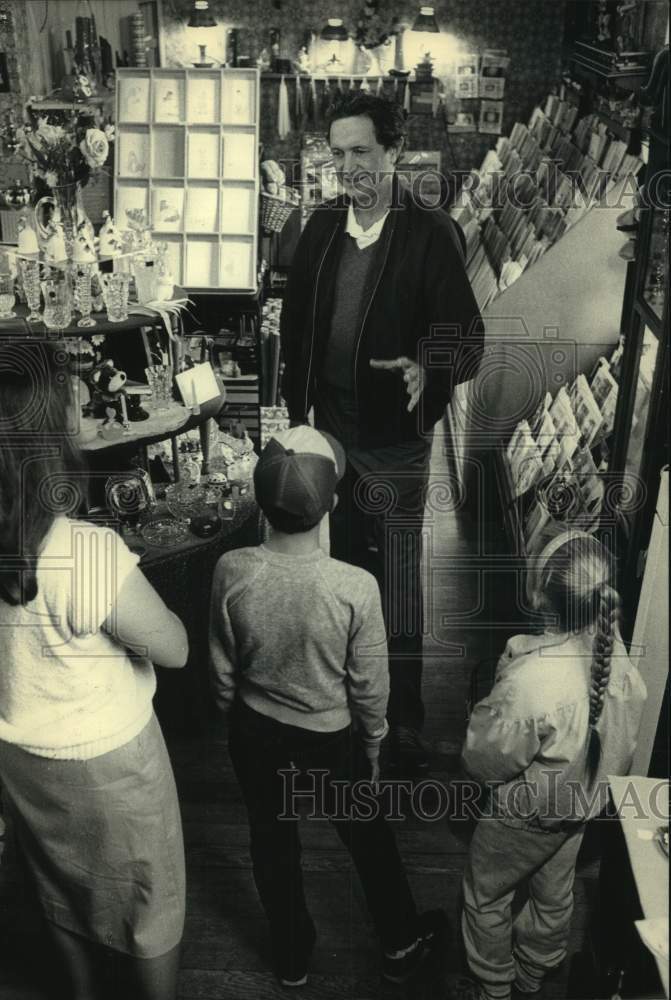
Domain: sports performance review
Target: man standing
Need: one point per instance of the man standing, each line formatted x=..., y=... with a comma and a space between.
x=379, y=323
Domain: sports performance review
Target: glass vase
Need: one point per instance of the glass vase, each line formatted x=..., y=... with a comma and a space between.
x=68, y=210
x=30, y=275
x=83, y=275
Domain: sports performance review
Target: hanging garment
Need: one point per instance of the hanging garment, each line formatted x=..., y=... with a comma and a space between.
x=283, y=119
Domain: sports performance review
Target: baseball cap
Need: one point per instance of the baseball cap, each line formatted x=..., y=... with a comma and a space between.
x=296, y=476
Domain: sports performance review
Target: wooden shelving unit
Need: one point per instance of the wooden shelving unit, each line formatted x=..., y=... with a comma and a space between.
x=187, y=156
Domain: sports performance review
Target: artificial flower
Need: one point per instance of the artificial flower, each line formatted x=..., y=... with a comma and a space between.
x=50, y=134
x=94, y=147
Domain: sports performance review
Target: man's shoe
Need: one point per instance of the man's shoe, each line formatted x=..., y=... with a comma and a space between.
x=293, y=969
x=400, y=967
x=408, y=751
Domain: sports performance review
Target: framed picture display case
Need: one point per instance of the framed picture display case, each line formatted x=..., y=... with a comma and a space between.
x=187, y=155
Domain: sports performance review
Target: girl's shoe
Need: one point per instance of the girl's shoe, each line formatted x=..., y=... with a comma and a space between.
x=399, y=968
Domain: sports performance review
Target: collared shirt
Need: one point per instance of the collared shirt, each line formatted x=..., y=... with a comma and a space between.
x=364, y=237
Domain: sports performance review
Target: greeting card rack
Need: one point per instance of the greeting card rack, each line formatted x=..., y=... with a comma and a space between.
x=187, y=156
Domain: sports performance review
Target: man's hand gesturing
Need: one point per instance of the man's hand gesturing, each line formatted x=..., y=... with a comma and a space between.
x=413, y=376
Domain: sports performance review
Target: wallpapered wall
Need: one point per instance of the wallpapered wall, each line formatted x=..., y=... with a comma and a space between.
x=531, y=31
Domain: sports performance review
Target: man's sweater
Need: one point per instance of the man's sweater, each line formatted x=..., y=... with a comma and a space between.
x=301, y=638
x=338, y=366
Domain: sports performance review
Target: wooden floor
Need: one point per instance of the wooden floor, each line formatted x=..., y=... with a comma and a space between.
x=226, y=949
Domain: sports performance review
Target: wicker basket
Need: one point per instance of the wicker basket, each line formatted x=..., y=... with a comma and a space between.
x=276, y=211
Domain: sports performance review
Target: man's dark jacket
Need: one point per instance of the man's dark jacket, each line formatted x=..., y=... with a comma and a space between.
x=417, y=303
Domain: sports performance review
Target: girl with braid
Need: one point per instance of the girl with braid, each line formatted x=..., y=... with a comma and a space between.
x=563, y=714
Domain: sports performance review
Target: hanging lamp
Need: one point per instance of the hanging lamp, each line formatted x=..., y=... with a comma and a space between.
x=334, y=30
x=426, y=20
x=201, y=16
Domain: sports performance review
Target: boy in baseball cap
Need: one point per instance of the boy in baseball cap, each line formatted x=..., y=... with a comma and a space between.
x=299, y=652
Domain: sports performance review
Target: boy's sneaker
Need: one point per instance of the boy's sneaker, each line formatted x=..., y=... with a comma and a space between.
x=399, y=968
x=460, y=987
x=293, y=970
x=408, y=752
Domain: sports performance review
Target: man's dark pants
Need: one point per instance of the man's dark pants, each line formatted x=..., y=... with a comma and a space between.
x=377, y=525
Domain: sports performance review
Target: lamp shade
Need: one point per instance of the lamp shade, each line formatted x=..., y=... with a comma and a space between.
x=201, y=16
x=426, y=20
x=334, y=30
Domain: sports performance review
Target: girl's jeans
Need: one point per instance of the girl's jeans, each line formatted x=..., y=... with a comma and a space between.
x=501, y=951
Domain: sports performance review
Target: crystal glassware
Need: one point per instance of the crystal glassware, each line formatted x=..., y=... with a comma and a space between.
x=83, y=275
x=6, y=296
x=30, y=276
x=115, y=292
x=159, y=379
x=57, y=304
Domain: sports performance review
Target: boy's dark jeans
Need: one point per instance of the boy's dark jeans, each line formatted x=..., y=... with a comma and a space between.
x=259, y=748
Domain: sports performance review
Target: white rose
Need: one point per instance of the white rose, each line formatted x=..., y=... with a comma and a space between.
x=94, y=147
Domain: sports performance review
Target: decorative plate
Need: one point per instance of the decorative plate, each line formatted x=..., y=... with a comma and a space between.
x=164, y=532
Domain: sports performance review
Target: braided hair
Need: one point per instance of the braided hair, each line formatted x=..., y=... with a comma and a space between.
x=575, y=588
x=602, y=650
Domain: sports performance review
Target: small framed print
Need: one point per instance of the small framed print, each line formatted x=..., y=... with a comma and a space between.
x=466, y=65
x=464, y=122
x=203, y=98
x=491, y=117
x=236, y=263
x=237, y=208
x=169, y=99
x=466, y=87
x=239, y=100
x=202, y=209
x=133, y=98
x=239, y=155
x=201, y=263
x=133, y=152
x=167, y=209
x=492, y=87
x=495, y=62
x=130, y=198
x=203, y=158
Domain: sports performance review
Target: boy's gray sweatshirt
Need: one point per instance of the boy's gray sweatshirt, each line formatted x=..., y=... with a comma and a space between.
x=302, y=639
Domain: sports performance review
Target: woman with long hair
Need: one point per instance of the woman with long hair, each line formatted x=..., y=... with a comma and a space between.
x=85, y=774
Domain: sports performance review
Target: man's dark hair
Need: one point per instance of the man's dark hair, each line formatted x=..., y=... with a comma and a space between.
x=388, y=117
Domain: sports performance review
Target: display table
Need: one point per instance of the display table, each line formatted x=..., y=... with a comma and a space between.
x=643, y=806
x=182, y=575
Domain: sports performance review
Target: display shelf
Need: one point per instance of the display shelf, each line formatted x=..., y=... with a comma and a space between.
x=187, y=156
x=175, y=419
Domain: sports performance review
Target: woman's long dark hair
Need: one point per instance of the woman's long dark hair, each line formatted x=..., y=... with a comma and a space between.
x=38, y=457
